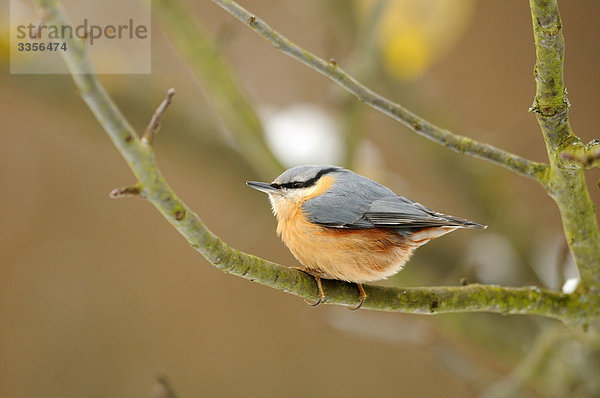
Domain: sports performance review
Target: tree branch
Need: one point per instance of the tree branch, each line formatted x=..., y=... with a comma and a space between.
x=140, y=158
x=420, y=126
x=566, y=185
x=537, y=357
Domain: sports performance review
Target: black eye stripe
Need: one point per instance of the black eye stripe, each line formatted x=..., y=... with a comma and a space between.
x=304, y=184
x=296, y=184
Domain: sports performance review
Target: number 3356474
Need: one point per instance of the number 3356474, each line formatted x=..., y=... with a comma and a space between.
x=50, y=46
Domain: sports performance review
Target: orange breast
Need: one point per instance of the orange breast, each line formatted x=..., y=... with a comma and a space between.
x=352, y=255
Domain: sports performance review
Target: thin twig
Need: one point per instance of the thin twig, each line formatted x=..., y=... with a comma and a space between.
x=444, y=137
x=154, y=124
x=427, y=300
x=125, y=192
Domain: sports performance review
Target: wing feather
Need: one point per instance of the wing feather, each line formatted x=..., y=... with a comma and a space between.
x=357, y=202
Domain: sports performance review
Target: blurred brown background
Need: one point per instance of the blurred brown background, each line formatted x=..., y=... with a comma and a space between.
x=98, y=296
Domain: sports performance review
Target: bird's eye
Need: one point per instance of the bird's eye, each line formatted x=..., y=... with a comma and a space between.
x=297, y=184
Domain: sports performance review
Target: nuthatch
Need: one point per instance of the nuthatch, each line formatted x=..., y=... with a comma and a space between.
x=340, y=225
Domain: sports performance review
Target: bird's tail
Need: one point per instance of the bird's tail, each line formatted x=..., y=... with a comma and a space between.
x=461, y=222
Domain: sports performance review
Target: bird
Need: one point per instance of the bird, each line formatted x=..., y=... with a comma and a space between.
x=341, y=225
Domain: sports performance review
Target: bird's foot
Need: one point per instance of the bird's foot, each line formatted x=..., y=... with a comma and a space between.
x=362, y=297
x=319, y=287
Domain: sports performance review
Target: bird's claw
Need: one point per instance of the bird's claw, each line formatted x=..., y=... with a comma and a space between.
x=319, y=287
x=316, y=303
x=362, y=297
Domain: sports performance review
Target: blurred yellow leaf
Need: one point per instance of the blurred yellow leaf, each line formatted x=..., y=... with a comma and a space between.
x=413, y=34
x=406, y=55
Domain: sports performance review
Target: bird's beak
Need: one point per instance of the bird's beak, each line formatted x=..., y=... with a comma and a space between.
x=262, y=186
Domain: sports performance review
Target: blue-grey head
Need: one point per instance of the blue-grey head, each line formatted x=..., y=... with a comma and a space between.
x=298, y=184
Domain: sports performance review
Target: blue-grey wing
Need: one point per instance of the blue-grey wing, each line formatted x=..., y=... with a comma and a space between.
x=400, y=212
x=344, y=205
x=357, y=202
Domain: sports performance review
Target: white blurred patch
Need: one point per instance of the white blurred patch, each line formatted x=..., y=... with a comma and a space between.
x=303, y=134
x=570, y=270
x=544, y=262
x=553, y=263
x=570, y=285
x=493, y=258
